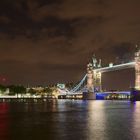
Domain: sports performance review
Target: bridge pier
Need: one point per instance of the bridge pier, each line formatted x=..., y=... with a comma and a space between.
x=89, y=96
x=135, y=95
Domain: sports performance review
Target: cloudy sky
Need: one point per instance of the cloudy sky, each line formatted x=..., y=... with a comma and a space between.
x=49, y=41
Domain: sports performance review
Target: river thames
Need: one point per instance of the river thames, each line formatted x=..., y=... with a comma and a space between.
x=70, y=120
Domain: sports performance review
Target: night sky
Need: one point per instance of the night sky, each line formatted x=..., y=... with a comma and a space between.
x=50, y=41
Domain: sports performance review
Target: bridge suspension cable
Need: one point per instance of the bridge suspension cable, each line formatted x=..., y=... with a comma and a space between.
x=77, y=87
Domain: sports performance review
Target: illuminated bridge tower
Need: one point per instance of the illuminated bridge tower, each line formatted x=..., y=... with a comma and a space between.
x=97, y=75
x=137, y=70
x=90, y=95
x=90, y=78
x=97, y=81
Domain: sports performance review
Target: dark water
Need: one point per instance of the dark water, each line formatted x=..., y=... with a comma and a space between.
x=70, y=120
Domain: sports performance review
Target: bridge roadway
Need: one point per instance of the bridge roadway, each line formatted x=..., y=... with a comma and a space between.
x=99, y=95
x=105, y=92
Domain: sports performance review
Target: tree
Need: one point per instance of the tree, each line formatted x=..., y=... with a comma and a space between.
x=2, y=88
x=32, y=91
x=48, y=90
x=17, y=89
x=70, y=85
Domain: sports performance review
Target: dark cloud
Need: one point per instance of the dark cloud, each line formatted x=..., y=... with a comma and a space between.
x=43, y=41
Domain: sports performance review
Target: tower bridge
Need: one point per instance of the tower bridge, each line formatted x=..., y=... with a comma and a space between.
x=92, y=81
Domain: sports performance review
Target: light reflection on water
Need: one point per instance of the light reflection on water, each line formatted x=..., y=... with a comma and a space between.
x=97, y=114
x=136, y=120
x=70, y=119
x=4, y=121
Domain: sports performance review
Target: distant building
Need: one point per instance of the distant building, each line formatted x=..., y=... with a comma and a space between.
x=61, y=86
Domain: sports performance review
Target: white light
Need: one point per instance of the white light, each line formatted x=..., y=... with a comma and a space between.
x=120, y=66
x=111, y=65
